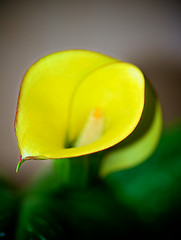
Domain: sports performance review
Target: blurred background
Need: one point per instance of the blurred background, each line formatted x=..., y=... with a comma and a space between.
x=145, y=33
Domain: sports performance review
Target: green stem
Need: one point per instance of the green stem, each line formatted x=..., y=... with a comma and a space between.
x=79, y=172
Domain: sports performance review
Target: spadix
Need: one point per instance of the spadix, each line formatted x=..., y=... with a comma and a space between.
x=93, y=129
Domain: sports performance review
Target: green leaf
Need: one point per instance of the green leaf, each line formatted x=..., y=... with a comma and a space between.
x=137, y=147
x=39, y=219
x=8, y=210
x=152, y=190
x=74, y=214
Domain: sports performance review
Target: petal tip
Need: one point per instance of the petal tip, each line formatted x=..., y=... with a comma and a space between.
x=19, y=163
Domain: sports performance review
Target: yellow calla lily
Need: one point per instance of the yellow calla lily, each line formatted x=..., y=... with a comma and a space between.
x=77, y=102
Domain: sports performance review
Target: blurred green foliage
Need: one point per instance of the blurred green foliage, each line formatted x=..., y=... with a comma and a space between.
x=9, y=207
x=153, y=190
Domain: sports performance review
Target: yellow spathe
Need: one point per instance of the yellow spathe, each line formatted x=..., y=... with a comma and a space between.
x=117, y=89
x=59, y=92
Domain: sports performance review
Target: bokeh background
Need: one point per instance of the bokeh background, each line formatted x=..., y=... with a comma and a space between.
x=145, y=33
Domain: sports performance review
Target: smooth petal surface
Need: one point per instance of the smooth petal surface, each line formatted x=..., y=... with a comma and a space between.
x=141, y=143
x=45, y=97
x=118, y=90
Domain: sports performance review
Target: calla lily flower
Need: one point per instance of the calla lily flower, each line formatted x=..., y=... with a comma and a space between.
x=77, y=102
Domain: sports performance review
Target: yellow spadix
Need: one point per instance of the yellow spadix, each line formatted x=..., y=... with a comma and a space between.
x=77, y=102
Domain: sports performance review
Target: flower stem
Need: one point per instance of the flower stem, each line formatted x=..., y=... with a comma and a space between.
x=79, y=172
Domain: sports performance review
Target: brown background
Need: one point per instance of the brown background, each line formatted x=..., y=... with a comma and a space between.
x=146, y=33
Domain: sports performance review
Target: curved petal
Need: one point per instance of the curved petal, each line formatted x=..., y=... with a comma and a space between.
x=45, y=99
x=116, y=89
x=141, y=143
